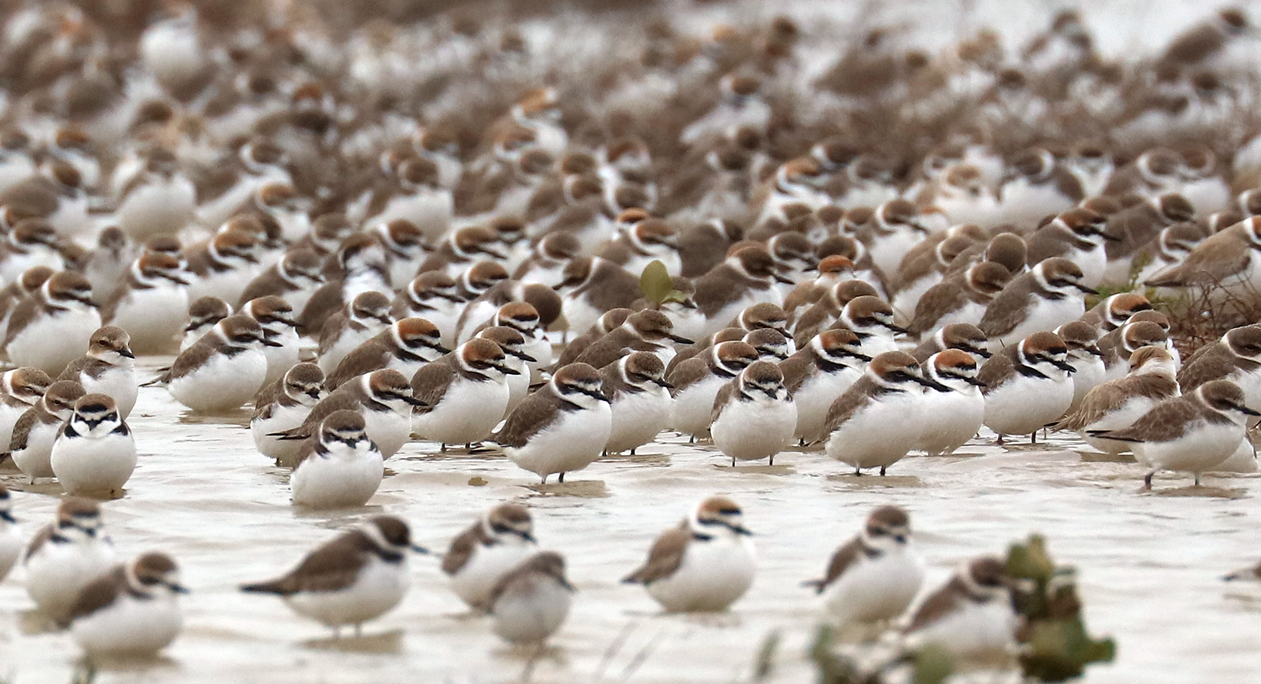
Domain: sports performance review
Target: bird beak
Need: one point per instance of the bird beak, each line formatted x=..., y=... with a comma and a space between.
x=1109, y=237
x=782, y=279
x=1064, y=366
x=413, y=401
x=663, y=383
x=895, y=328
x=437, y=346
x=1248, y=411
x=419, y=549
x=1087, y=290
x=175, y=279
x=520, y=355
x=508, y=371
x=931, y=384
x=271, y=343
x=126, y=353
x=983, y=353
x=7, y=516
x=1093, y=351
x=494, y=254
x=528, y=537
x=178, y=588
x=740, y=529
x=287, y=321
x=679, y=338
x=975, y=382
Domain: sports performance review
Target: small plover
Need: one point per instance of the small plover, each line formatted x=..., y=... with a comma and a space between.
x=704, y=564
x=532, y=601
x=223, y=370
x=465, y=394
x=65, y=555
x=94, y=453
x=338, y=466
x=561, y=427
x=31, y=445
x=1191, y=433
x=358, y=576
x=754, y=416
x=639, y=399
x=873, y=577
x=284, y=405
x=971, y=616
x=500, y=540
x=1027, y=386
x=867, y=425
x=130, y=610
x=108, y=368
x=1116, y=404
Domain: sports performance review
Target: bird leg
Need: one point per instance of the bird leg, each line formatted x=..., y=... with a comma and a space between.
x=1033, y=437
x=443, y=448
x=882, y=469
x=561, y=478
x=1147, y=481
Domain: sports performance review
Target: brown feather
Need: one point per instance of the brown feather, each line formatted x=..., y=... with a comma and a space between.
x=664, y=558
x=462, y=548
x=99, y=593
x=841, y=560
x=1113, y=395
x=530, y=417
x=331, y=567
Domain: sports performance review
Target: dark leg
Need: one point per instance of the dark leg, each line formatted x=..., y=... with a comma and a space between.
x=468, y=446
x=733, y=461
x=632, y=451
x=1033, y=437
x=858, y=472
x=443, y=449
x=882, y=469
x=772, y=460
x=1147, y=481
x=1000, y=440
x=562, y=477
x=1197, y=479
x=691, y=439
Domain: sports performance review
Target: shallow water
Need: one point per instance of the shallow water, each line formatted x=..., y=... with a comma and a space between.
x=1149, y=564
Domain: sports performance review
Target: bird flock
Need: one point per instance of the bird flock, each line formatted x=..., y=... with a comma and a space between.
x=448, y=233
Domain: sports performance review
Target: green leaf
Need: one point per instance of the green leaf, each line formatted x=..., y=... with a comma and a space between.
x=933, y=665
x=655, y=282
x=1030, y=561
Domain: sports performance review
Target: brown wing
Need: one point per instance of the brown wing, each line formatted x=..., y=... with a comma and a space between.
x=688, y=373
x=1213, y=363
x=841, y=560
x=22, y=429
x=664, y=558
x=937, y=301
x=98, y=593
x=538, y=410
x=72, y=371
x=264, y=400
x=331, y=567
x=713, y=291
x=723, y=396
x=430, y=384
x=191, y=359
x=940, y=604
x=1215, y=259
x=849, y=403
x=997, y=370
x=23, y=314
x=796, y=369
x=1008, y=309
x=326, y=301
x=344, y=397
x=1112, y=395
x=812, y=320
x=41, y=537
x=462, y=548
x=362, y=359
x=1166, y=421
